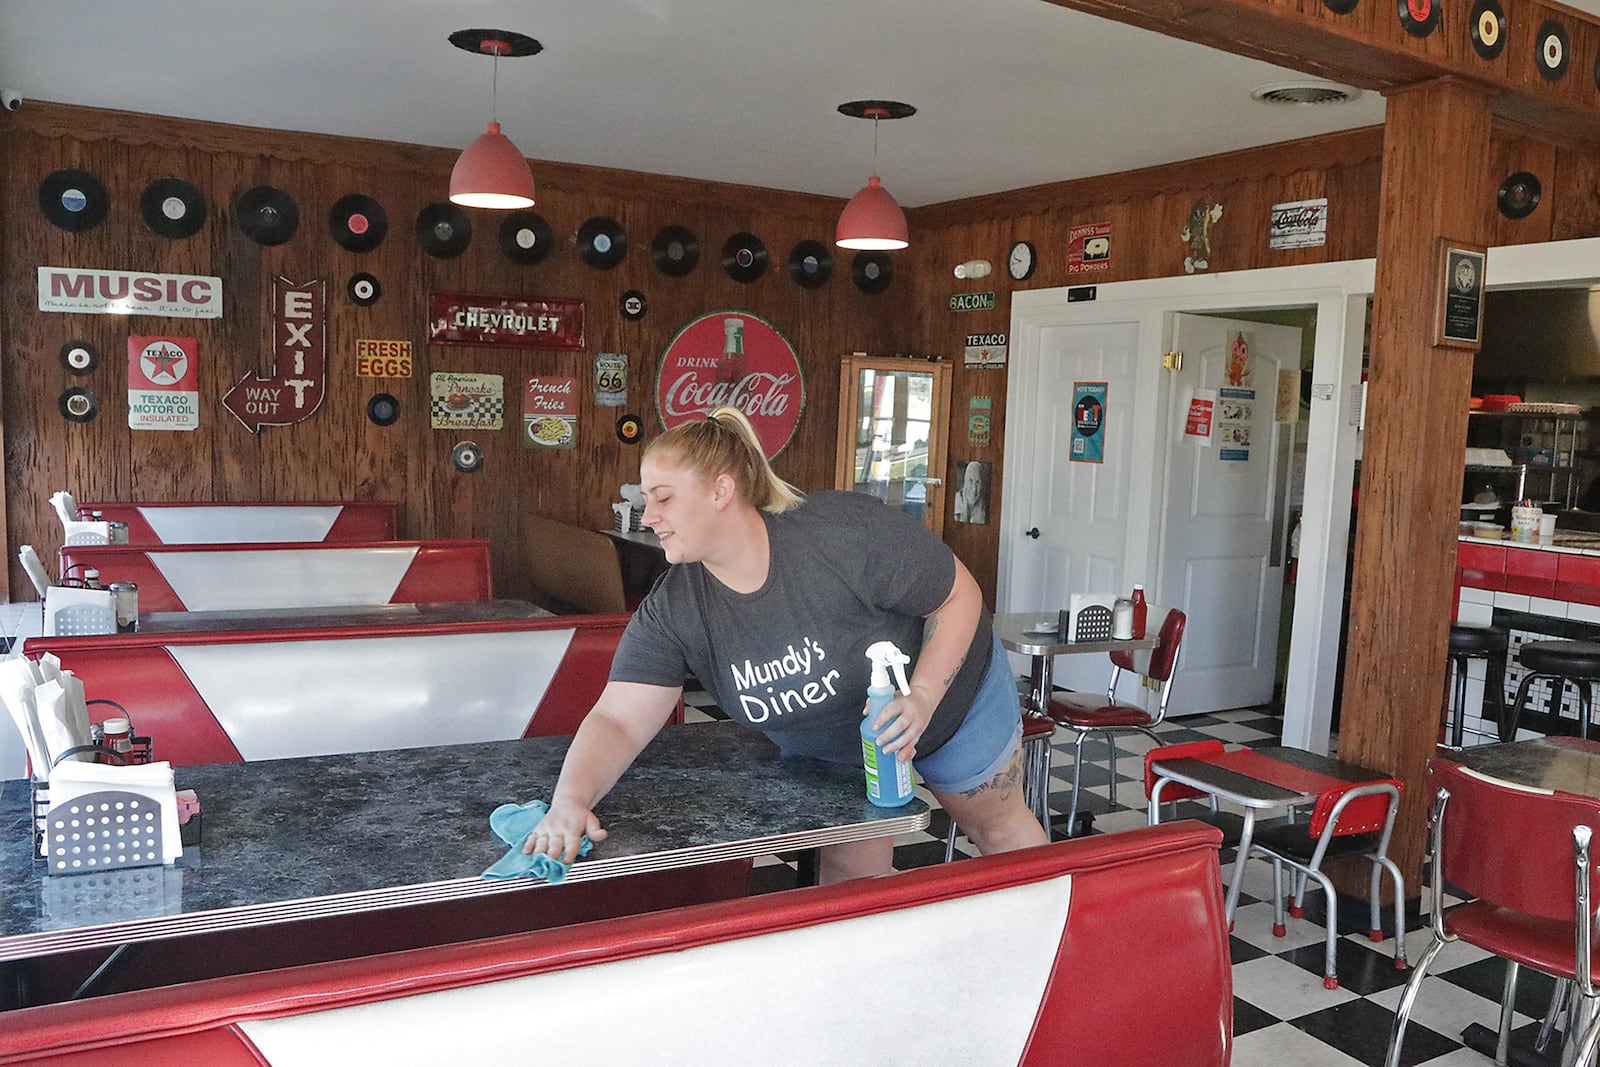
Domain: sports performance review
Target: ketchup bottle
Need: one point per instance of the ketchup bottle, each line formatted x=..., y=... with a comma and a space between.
x=1140, y=610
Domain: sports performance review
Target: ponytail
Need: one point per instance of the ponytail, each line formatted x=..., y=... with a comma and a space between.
x=725, y=442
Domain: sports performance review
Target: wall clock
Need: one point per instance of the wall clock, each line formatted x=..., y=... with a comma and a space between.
x=1022, y=260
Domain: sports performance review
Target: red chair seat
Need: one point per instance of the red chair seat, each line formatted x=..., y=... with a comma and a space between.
x=1540, y=943
x=1036, y=726
x=1094, y=713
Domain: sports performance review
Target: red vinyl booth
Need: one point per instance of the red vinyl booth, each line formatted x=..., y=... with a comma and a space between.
x=289, y=575
x=205, y=522
x=1102, y=951
x=268, y=694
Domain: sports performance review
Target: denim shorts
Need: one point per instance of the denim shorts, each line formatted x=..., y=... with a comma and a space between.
x=986, y=739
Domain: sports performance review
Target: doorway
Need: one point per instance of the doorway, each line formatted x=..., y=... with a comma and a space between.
x=1120, y=515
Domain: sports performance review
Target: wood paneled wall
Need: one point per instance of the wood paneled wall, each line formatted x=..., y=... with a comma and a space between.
x=338, y=453
x=1147, y=210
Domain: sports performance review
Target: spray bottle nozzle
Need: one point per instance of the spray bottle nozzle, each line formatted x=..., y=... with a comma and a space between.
x=884, y=655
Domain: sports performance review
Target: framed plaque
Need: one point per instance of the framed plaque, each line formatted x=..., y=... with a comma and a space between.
x=1459, y=322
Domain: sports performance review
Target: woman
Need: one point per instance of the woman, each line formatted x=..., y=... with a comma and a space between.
x=771, y=602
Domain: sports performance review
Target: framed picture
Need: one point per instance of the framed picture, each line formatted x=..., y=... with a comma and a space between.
x=1459, y=322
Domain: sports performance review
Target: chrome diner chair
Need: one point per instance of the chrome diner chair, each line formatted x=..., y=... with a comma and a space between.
x=1087, y=714
x=1524, y=855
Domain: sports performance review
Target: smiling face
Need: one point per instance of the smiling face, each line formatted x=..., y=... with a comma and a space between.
x=972, y=484
x=682, y=507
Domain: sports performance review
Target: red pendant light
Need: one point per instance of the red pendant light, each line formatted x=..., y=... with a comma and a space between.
x=872, y=219
x=492, y=172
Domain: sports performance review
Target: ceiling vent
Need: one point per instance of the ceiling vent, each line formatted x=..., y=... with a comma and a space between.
x=1304, y=94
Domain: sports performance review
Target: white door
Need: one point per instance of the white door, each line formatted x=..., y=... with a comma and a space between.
x=1076, y=513
x=1222, y=517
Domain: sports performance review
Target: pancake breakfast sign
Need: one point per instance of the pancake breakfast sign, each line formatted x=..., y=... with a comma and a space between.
x=738, y=359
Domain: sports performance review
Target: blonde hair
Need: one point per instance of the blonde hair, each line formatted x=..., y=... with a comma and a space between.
x=725, y=442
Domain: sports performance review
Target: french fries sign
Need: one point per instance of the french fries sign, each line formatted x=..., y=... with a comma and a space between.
x=550, y=413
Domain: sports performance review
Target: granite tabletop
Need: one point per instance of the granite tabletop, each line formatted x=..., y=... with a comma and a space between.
x=298, y=838
x=189, y=622
x=1570, y=764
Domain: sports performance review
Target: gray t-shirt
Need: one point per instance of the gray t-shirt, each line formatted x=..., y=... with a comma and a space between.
x=790, y=658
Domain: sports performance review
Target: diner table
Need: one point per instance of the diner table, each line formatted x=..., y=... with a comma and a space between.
x=294, y=839
x=1270, y=778
x=1568, y=764
x=1021, y=632
x=190, y=622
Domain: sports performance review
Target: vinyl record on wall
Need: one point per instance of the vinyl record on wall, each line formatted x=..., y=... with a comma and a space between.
x=384, y=410
x=1552, y=50
x=1519, y=195
x=358, y=223
x=1488, y=28
x=744, y=257
x=73, y=200
x=1340, y=7
x=602, y=242
x=629, y=429
x=443, y=230
x=872, y=271
x=466, y=457
x=79, y=357
x=810, y=264
x=675, y=251
x=267, y=215
x=364, y=290
x=633, y=305
x=526, y=238
x=1419, y=17
x=173, y=208
x=78, y=404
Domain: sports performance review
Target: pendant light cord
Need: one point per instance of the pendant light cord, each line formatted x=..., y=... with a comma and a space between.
x=494, y=92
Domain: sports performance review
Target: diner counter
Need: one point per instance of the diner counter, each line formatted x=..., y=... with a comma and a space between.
x=327, y=835
x=1581, y=542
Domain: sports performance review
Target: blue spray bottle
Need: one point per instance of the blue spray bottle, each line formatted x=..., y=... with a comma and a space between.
x=888, y=779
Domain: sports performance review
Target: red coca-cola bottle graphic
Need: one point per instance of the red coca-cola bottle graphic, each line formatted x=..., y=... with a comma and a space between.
x=732, y=368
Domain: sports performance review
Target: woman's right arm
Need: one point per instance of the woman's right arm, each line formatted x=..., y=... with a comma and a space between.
x=621, y=723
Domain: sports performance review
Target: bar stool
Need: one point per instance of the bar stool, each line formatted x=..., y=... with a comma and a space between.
x=1469, y=643
x=1561, y=662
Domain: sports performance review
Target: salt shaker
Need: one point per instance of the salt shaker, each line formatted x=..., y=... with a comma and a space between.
x=1122, y=619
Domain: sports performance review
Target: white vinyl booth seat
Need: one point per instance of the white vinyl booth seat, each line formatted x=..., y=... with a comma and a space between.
x=1054, y=956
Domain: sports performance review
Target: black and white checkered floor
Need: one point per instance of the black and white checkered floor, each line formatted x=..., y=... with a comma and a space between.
x=1282, y=1013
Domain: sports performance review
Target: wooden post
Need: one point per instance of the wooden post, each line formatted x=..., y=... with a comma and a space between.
x=1436, y=183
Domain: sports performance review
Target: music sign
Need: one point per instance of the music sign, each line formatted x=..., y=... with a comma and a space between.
x=734, y=358
x=505, y=321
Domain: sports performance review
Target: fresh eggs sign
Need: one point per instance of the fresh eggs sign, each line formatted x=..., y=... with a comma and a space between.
x=738, y=359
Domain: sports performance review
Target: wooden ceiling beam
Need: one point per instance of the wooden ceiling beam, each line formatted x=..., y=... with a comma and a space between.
x=1369, y=49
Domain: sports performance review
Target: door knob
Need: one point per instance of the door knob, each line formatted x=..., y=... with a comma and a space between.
x=1034, y=533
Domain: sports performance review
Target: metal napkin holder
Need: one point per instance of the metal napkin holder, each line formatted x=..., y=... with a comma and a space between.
x=141, y=751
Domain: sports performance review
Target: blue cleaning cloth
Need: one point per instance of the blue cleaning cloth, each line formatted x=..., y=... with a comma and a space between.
x=512, y=823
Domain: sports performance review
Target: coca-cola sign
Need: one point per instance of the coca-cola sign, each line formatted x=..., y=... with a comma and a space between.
x=734, y=358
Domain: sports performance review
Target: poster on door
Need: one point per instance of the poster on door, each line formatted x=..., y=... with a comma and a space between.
x=163, y=383
x=1199, y=414
x=1236, y=410
x=1088, y=422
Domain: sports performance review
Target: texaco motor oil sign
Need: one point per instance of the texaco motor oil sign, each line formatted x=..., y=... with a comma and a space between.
x=734, y=358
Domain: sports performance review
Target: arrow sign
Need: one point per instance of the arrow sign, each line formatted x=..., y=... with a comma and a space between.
x=299, y=378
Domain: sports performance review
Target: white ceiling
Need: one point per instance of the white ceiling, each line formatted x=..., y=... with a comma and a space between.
x=1009, y=93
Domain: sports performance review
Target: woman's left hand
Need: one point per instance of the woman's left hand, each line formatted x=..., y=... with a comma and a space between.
x=901, y=722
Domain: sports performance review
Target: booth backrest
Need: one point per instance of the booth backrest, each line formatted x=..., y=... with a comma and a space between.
x=289, y=575
x=573, y=569
x=177, y=523
x=1105, y=950
x=272, y=694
